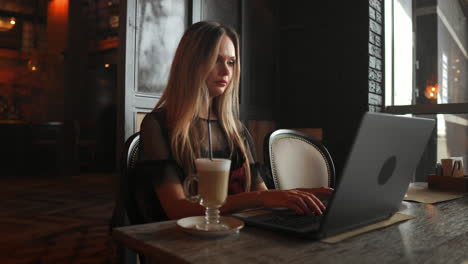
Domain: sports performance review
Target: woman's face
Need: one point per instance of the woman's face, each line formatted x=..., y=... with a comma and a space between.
x=220, y=74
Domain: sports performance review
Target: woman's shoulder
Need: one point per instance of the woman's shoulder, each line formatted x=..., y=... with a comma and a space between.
x=154, y=119
x=158, y=115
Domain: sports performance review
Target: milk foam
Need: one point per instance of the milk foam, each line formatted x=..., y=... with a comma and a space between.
x=213, y=165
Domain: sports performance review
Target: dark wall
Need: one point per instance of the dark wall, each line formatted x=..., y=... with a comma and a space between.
x=260, y=56
x=349, y=97
x=90, y=92
x=305, y=64
x=304, y=56
x=324, y=69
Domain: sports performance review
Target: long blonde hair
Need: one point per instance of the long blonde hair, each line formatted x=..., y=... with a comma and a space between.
x=186, y=94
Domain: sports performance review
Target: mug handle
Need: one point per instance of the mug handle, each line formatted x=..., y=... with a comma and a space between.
x=457, y=167
x=187, y=184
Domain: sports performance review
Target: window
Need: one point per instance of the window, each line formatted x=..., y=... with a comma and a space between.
x=426, y=68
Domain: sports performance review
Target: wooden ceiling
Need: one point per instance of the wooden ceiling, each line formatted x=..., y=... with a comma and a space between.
x=18, y=6
x=32, y=10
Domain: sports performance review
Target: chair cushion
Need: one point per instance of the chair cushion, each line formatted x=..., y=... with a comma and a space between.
x=298, y=164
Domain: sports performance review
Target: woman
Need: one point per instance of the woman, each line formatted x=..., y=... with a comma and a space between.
x=203, y=87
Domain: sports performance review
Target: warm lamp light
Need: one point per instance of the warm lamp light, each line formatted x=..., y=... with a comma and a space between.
x=33, y=63
x=431, y=91
x=7, y=23
x=106, y=65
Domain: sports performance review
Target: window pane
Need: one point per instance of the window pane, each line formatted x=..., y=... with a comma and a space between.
x=452, y=136
x=160, y=27
x=449, y=140
x=441, y=53
x=403, y=52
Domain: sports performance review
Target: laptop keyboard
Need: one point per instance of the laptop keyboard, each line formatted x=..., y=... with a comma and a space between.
x=289, y=219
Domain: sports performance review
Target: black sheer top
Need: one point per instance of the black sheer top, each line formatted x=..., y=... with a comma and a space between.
x=157, y=164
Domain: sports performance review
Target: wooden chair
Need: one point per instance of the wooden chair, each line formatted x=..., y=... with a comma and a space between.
x=125, y=211
x=86, y=140
x=47, y=148
x=297, y=160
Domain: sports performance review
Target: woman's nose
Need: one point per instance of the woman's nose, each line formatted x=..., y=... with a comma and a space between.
x=224, y=69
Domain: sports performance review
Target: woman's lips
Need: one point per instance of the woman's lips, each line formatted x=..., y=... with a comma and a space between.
x=221, y=83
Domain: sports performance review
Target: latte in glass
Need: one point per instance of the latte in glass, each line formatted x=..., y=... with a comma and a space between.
x=213, y=177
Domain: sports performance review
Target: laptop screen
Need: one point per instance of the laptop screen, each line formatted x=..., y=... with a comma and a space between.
x=381, y=164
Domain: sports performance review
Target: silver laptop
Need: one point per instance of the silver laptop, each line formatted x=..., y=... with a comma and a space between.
x=380, y=166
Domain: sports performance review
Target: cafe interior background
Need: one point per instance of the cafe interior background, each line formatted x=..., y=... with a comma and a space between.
x=77, y=77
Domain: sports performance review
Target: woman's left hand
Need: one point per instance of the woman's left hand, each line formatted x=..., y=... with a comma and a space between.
x=302, y=202
x=322, y=191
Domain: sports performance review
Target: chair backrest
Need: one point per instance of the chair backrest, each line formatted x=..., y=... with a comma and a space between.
x=132, y=147
x=297, y=160
x=129, y=159
x=126, y=212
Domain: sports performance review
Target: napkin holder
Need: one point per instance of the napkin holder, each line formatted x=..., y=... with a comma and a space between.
x=448, y=183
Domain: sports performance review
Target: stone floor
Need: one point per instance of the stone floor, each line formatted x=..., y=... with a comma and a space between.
x=57, y=220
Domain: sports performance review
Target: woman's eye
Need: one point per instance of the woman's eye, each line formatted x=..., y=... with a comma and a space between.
x=230, y=63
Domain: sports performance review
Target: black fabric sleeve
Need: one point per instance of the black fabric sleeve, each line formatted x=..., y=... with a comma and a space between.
x=255, y=168
x=155, y=166
x=146, y=177
x=155, y=146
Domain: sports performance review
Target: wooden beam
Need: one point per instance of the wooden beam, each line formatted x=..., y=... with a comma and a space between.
x=24, y=16
x=422, y=109
x=9, y=54
x=107, y=44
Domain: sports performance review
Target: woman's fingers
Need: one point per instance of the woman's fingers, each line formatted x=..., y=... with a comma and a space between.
x=315, y=204
x=327, y=190
x=293, y=206
x=317, y=191
x=311, y=196
x=302, y=202
x=307, y=203
x=324, y=191
x=317, y=201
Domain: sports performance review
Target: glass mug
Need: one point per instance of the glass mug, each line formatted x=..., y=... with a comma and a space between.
x=212, y=177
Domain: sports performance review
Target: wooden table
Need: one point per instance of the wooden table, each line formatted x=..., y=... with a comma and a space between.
x=439, y=234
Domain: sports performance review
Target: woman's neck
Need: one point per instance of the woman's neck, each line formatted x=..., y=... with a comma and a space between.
x=204, y=112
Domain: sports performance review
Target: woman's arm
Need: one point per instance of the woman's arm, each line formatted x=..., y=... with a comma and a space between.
x=172, y=198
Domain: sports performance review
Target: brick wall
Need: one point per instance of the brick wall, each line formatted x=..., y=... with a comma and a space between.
x=376, y=55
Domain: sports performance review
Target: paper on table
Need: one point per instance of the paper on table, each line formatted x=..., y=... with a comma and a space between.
x=418, y=192
x=398, y=217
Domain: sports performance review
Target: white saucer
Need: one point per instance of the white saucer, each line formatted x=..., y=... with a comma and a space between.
x=188, y=225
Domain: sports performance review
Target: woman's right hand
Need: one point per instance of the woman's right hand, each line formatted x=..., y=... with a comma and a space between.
x=302, y=202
